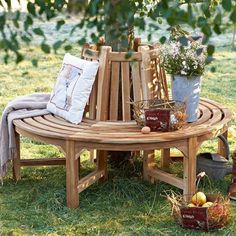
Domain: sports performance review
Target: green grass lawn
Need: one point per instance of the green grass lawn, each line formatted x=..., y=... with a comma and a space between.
x=125, y=204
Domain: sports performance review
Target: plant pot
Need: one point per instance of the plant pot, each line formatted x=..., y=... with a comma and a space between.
x=187, y=90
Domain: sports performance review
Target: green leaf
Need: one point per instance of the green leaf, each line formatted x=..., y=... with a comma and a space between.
x=60, y=23
x=213, y=69
x=210, y=49
x=2, y=21
x=31, y=8
x=201, y=21
x=34, y=62
x=19, y=58
x=218, y=19
x=128, y=54
x=6, y=58
x=199, y=51
x=159, y=20
x=57, y=45
x=38, y=31
x=25, y=38
x=227, y=4
x=217, y=29
x=28, y=21
x=233, y=15
x=183, y=40
x=68, y=47
x=206, y=30
x=45, y=48
x=82, y=41
x=162, y=39
x=206, y=9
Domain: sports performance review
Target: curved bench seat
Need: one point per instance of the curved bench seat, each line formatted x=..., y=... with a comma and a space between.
x=213, y=116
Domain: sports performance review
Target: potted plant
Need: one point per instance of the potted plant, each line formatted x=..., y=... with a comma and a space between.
x=185, y=60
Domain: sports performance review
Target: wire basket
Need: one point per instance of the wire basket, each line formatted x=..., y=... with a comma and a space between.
x=160, y=115
x=205, y=218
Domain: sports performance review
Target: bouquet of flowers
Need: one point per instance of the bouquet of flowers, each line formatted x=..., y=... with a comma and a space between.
x=187, y=59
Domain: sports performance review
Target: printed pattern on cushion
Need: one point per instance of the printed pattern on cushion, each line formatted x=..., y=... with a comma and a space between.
x=72, y=89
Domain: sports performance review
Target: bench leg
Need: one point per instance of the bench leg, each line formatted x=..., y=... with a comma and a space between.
x=16, y=160
x=102, y=164
x=165, y=158
x=148, y=162
x=190, y=163
x=72, y=175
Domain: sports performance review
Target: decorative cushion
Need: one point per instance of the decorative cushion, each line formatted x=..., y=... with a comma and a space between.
x=72, y=89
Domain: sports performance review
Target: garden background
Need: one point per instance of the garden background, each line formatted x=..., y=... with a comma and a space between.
x=125, y=204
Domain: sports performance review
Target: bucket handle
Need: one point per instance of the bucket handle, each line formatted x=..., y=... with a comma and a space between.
x=226, y=144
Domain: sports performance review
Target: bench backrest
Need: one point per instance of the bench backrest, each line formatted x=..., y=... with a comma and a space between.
x=122, y=80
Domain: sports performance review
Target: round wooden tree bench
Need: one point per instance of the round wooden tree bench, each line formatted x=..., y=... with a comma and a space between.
x=126, y=136
x=102, y=130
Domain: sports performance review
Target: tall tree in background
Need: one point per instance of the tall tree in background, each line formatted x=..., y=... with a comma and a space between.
x=110, y=18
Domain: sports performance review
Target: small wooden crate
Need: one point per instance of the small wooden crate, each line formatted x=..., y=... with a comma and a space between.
x=160, y=115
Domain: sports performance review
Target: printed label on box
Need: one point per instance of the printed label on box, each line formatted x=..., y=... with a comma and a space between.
x=158, y=119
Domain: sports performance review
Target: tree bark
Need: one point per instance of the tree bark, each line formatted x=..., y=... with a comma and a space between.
x=74, y=6
x=120, y=41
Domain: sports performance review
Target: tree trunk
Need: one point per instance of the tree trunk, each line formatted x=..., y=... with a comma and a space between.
x=74, y=6
x=120, y=41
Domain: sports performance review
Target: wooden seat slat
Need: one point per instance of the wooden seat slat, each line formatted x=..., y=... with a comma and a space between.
x=33, y=123
x=77, y=128
x=24, y=126
x=62, y=122
x=216, y=113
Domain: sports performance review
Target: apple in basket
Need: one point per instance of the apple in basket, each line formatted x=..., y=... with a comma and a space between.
x=199, y=199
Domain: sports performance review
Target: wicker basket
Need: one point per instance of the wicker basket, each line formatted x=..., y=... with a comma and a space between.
x=202, y=218
x=208, y=218
x=170, y=113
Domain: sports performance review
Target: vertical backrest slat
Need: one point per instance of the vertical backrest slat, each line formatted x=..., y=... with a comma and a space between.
x=136, y=80
x=146, y=74
x=93, y=100
x=90, y=55
x=164, y=82
x=157, y=80
x=103, y=92
x=125, y=80
x=114, y=97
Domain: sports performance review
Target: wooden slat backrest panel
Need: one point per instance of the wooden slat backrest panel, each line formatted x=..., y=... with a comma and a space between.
x=146, y=74
x=153, y=77
x=103, y=92
x=136, y=81
x=114, y=96
x=161, y=75
x=120, y=85
x=126, y=96
x=93, y=100
x=121, y=80
x=91, y=54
